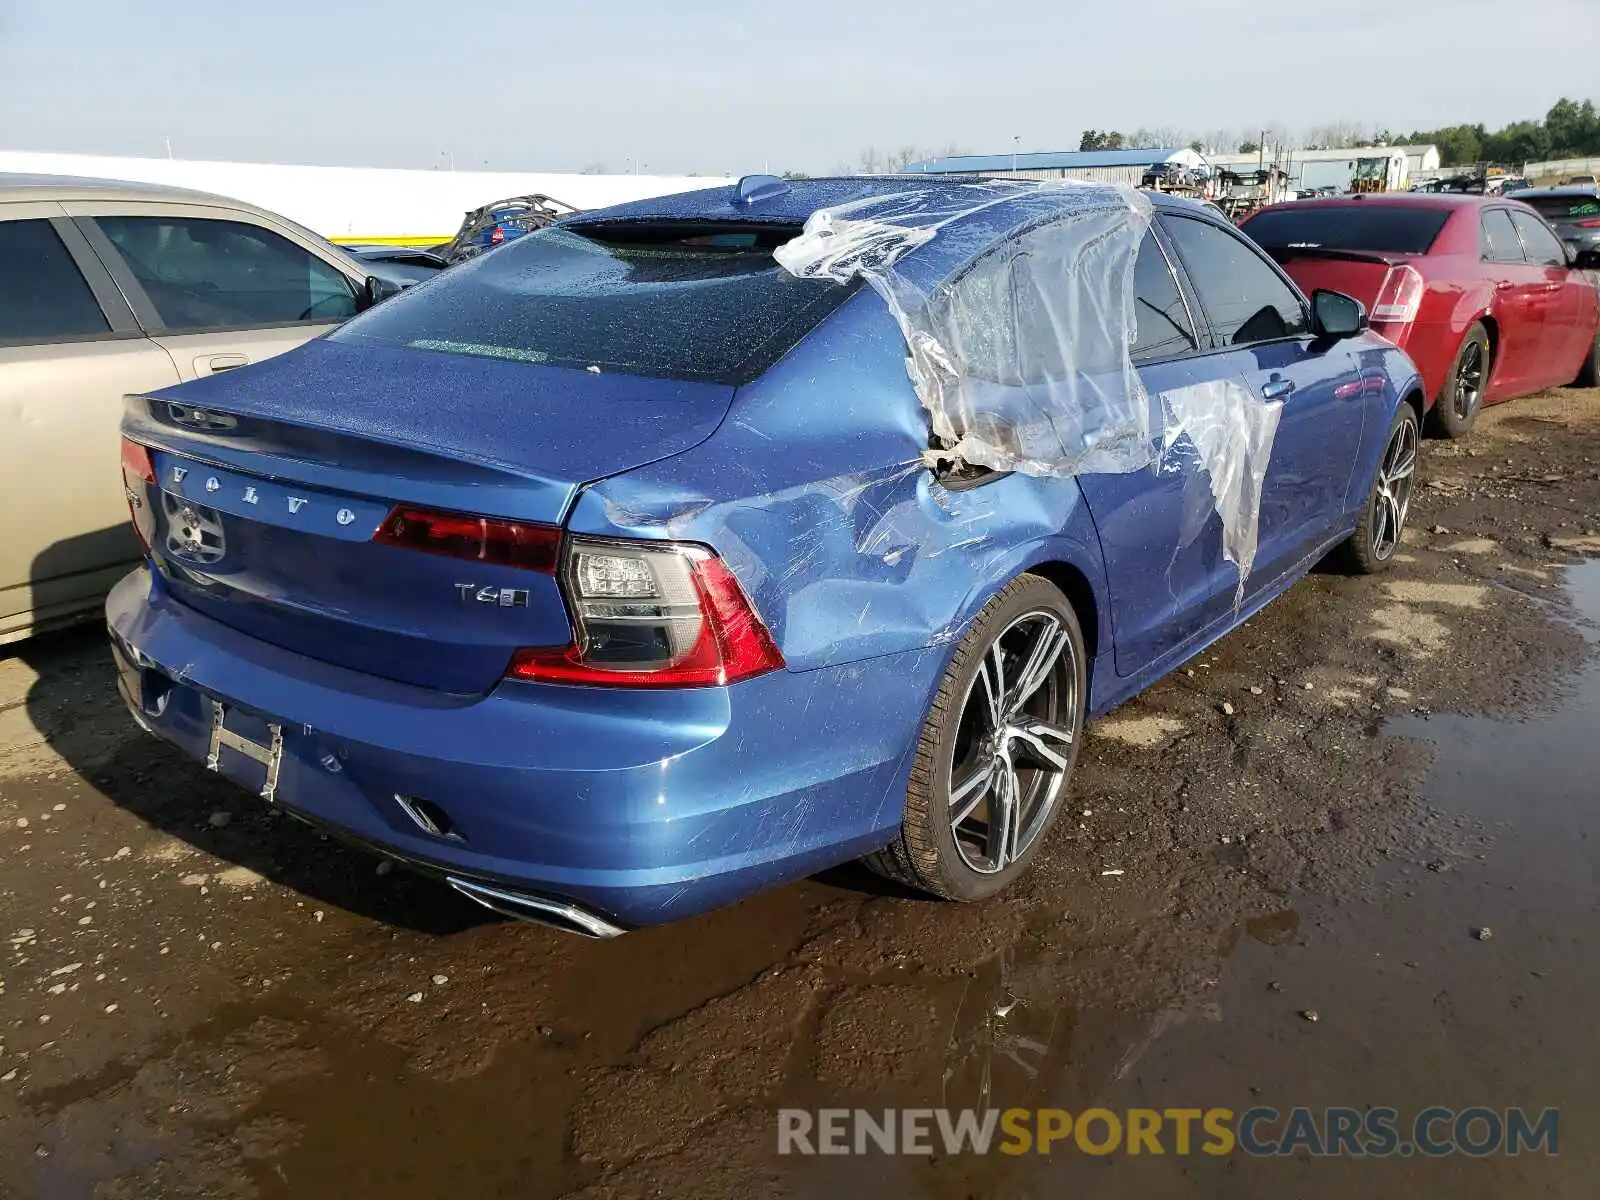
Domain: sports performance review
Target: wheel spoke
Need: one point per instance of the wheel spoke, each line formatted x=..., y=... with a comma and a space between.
x=969, y=793
x=1047, y=647
x=1405, y=468
x=1041, y=739
x=1380, y=530
x=993, y=673
x=1003, y=816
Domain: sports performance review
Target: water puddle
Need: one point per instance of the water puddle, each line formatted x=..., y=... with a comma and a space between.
x=1462, y=978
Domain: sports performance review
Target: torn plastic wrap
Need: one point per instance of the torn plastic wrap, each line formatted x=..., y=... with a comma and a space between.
x=1230, y=430
x=1023, y=358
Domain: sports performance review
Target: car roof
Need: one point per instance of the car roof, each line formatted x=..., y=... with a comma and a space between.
x=1388, y=199
x=15, y=187
x=803, y=197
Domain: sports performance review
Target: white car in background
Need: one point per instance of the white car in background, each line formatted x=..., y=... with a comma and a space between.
x=108, y=288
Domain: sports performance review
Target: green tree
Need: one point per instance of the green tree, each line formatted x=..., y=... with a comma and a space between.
x=1249, y=146
x=1094, y=139
x=1459, y=145
x=1519, y=142
x=1574, y=128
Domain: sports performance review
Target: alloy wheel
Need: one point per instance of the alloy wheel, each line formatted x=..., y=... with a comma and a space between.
x=1396, y=474
x=1469, y=380
x=1014, y=742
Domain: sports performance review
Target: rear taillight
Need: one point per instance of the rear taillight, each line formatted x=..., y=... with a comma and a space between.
x=497, y=235
x=652, y=615
x=138, y=471
x=1590, y=224
x=480, y=539
x=1400, y=298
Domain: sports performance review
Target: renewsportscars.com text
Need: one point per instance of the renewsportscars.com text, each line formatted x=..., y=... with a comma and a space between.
x=1261, y=1132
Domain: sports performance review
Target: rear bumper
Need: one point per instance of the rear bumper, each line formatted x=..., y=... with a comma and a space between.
x=641, y=807
x=1432, y=345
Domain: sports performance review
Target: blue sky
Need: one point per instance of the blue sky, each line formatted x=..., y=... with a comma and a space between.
x=715, y=85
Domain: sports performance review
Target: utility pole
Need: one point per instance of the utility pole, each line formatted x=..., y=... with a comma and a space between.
x=1016, y=144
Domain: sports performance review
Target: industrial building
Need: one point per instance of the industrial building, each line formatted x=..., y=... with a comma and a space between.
x=1097, y=166
x=1396, y=166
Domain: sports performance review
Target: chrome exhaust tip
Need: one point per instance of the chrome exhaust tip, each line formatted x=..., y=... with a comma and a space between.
x=536, y=910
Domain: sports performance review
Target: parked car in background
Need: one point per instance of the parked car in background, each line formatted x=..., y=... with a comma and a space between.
x=605, y=576
x=1479, y=290
x=401, y=266
x=503, y=221
x=1573, y=212
x=1499, y=185
x=108, y=288
x=1583, y=181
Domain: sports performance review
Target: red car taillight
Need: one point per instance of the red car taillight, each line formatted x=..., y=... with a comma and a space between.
x=1400, y=298
x=652, y=615
x=1590, y=224
x=137, y=470
x=480, y=539
x=497, y=235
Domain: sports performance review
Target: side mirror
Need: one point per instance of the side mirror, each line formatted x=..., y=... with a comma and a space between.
x=1335, y=315
x=375, y=291
x=1582, y=258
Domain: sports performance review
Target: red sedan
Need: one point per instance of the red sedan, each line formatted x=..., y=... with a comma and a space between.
x=1477, y=289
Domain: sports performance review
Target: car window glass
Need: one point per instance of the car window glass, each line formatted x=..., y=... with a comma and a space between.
x=1564, y=208
x=1500, y=242
x=1245, y=300
x=206, y=274
x=1163, y=321
x=673, y=301
x=44, y=297
x=1384, y=228
x=1542, y=246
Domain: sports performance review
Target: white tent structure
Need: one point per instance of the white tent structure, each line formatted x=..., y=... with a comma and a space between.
x=360, y=204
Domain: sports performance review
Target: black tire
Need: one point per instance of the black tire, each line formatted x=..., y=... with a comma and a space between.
x=967, y=858
x=1371, y=548
x=1460, y=401
x=1589, y=373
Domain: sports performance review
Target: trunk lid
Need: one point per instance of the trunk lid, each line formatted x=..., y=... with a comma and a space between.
x=1356, y=273
x=271, y=483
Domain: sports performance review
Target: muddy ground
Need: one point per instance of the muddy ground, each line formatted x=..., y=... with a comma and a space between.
x=201, y=998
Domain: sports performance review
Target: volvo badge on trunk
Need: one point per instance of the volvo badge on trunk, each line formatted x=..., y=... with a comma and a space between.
x=504, y=597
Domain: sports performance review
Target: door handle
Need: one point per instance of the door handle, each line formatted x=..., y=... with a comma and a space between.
x=215, y=363
x=1277, y=389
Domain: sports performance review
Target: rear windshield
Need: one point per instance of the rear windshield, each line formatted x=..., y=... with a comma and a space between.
x=1564, y=208
x=1382, y=229
x=698, y=302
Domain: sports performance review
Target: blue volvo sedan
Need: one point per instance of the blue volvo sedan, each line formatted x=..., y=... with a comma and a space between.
x=628, y=570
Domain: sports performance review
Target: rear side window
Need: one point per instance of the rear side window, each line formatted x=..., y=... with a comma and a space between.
x=44, y=298
x=1500, y=242
x=204, y=274
x=1542, y=246
x=1378, y=228
x=1164, y=330
x=1245, y=300
x=706, y=303
x=1564, y=208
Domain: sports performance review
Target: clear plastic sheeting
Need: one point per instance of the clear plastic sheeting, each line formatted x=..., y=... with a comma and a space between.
x=1022, y=355
x=1230, y=431
x=1022, y=359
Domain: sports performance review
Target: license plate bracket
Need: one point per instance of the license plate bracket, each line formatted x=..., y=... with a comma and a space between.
x=270, y=756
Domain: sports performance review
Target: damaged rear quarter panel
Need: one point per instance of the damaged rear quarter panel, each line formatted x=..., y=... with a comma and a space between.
x=815, y=493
